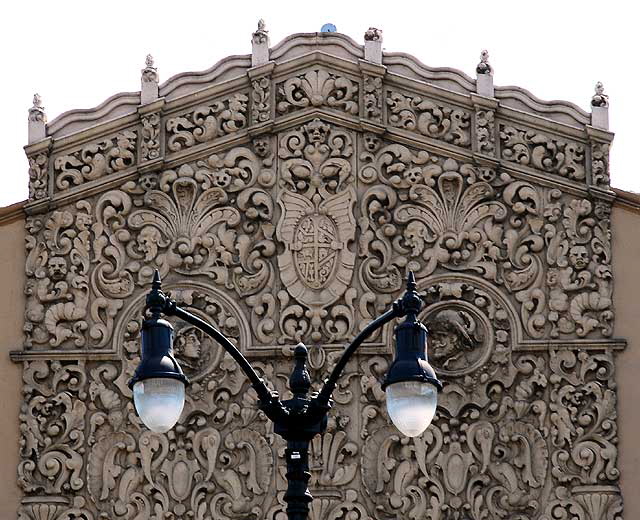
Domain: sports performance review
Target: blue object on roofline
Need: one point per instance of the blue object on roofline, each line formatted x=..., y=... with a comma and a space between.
x=328, y=27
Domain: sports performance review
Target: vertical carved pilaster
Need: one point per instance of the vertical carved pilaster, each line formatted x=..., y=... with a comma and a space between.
x=261, y=94
x=372, y=92
x=151, y=148
x=599, y=143
x=38, y=157
x=484, y=141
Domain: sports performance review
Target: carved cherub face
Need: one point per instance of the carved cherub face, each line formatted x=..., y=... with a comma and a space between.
x=316, y=131
x=552, y=277
x=261, y=146
x=371, y=142
x=221, y=178
x=57, y=267
x=579, y=257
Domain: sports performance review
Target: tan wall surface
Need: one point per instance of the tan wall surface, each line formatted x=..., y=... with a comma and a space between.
x=12, y=303
x=626, y=269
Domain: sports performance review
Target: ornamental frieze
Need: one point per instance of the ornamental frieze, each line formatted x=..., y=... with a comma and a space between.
x=300, y=226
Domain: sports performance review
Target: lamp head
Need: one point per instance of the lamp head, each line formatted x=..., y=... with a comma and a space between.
x=411, y=384
x=158, y=383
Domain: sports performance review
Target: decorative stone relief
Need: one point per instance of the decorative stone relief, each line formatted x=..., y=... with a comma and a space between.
x=485, y=132
x=600, y=163
x=372, y=98
x=306, y=235
x=207, y=122
x=426, y=117
x=38, y=176
x=423, y=212
x=318, y=88
x=540, y=151
x=150, y=133
x=95, y=160
x=260, y=100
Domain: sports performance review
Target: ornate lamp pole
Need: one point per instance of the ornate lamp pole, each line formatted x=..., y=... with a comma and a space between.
x=411, y=385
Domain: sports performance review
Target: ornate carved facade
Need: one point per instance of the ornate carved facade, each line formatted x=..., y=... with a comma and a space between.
x=286, y=202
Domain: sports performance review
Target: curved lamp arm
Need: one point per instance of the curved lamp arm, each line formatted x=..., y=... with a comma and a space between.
x=159, y=303
x=330, y=383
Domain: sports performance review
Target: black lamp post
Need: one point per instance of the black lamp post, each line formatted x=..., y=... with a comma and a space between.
x=411, y=385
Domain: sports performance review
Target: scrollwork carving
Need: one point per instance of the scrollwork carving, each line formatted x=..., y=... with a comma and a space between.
x=318, y=88
x=427, y=117
x=207, y=122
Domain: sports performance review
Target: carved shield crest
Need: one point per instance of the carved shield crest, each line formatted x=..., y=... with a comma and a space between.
x=316, y=266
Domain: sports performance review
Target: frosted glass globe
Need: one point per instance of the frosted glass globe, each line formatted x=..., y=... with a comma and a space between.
x=159, y=402
x=411, y=406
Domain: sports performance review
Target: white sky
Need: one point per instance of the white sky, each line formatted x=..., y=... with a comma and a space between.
x=77, y=54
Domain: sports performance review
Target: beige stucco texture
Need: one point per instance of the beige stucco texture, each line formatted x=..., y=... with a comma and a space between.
x=626, y=266
x=11, y=316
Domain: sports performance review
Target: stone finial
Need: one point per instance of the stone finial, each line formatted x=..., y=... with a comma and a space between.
x=600, y=108
x=599, y=99
x=484, y=76
x=37, y=120
x=373, y=45
x=484, y=67
x=149, y=80
x=372, y=35
x=260, y=45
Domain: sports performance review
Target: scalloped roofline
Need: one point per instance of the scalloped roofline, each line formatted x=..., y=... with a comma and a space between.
x=297, y=45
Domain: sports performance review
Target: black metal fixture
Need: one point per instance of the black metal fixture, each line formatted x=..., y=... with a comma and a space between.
x=411, y=385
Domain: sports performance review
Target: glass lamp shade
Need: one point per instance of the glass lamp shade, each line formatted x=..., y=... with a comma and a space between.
x=159, y=402
x=411, y=405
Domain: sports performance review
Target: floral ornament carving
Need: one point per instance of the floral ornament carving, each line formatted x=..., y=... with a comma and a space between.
x=260, y=100
x=372, y=98
x=485, y=132
x=543, y=152
x=96, y=160
x=600, y=164
x=318, y=88
x=38, y=176
x=207, y=122
x=424, y=213
x=150, y=133
x=426, y=117
x=308, y=235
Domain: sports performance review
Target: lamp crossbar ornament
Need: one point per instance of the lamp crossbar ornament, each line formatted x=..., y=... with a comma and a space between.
x=411, y=384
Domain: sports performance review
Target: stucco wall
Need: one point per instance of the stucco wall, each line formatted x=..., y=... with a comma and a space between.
x=11, y=317
x=626, y=269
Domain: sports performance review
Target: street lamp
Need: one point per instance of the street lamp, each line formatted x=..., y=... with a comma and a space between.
x=411, y=385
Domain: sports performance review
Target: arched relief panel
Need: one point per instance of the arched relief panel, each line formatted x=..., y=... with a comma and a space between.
x=305, y=232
